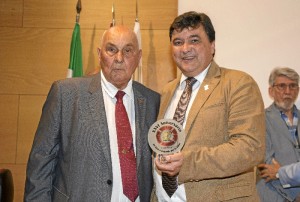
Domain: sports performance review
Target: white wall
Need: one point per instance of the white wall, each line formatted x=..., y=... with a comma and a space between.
x=254, y=36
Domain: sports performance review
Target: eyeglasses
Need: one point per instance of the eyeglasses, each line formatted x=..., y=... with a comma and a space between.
x=283, y=86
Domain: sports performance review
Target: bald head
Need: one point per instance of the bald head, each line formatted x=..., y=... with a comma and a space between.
x=119, y=55
x=119, y=31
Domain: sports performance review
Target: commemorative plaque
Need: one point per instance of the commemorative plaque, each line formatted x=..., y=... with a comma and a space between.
x=166, y=136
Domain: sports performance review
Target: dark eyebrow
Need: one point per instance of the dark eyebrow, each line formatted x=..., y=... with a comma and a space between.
x=177, y=38
x=194, y=35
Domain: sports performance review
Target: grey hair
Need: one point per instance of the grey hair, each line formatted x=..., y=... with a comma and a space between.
x=283, y=71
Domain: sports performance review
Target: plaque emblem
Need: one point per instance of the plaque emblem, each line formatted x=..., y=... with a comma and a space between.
x=166, y=136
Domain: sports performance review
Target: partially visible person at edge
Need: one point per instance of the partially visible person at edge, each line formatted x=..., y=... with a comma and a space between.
x=288, y=175
x=282, y=139
x=75, y=153
x=224, y=122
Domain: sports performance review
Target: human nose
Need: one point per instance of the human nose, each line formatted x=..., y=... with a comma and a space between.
x=185, y=47
x=287, y=89
x=119, y=57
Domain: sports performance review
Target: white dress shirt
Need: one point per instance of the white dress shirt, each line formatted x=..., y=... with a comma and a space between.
x=109, y=92
x=179, y=194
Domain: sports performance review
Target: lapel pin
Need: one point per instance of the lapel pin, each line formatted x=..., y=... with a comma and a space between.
x=206, y=87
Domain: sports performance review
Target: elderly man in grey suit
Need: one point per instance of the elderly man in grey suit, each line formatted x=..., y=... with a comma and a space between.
x=76, y=153
x=282, y=140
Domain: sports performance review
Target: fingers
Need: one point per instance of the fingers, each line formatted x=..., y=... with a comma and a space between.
x=268, y=171
x=262, y=166
x=276, y=163
x=170, y=164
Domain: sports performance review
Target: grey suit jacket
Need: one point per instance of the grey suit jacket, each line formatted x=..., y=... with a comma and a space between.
x=225, y=137
x=279, y=145
x=70, y=159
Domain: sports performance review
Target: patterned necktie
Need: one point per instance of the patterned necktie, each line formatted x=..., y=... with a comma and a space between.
x=126, y=150
x=170, y=182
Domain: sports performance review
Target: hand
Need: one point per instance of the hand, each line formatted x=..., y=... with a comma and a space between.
x=268, y=171
x=170, y=164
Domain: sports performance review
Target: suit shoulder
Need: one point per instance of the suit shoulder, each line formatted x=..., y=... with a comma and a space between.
x=144, y=90
x=236, y=77
x=72, y=85
x=234, y=73
x=74, y=81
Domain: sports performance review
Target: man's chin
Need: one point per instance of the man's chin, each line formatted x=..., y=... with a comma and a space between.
x=287, y=105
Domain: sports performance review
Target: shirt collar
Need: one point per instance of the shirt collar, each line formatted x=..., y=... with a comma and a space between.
x=111, y=90
x=200, y=77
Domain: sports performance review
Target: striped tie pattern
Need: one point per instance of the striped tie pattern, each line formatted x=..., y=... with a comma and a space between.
x=170, y=182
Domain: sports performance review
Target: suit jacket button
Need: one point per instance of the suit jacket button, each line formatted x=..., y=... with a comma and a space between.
x=109, y=182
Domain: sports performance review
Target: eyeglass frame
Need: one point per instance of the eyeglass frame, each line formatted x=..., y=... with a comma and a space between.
x=283, y=86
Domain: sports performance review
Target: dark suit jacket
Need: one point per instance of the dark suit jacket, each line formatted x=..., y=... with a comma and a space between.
x=70, y=159
x=225, y=137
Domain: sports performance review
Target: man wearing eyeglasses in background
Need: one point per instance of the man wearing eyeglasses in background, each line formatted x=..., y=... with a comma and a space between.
x=282, y=139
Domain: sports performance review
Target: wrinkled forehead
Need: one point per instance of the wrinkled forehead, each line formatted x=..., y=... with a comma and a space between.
x=120, y=37
x=284, y=78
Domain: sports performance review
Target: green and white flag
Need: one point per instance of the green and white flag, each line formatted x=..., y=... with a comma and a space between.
x=75, y=65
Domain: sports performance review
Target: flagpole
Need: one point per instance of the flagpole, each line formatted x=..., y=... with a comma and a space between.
x=75, y=68
x=136, y=11
x=113, y=22
x=78, y=9
x=138, y=73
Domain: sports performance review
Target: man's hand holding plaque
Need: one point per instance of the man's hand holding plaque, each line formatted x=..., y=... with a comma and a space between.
x=166, y=138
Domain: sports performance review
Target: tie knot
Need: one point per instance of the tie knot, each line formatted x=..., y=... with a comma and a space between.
x=120, y=95
x=190, y=81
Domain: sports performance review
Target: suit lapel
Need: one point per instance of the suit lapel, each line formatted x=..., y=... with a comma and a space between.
x=207, y=87
x=280, y=123
x=140, y=115
x=97, y=110
x=166, y=99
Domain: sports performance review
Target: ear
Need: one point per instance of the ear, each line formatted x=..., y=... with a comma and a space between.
x=212, y=48
x=140, y=54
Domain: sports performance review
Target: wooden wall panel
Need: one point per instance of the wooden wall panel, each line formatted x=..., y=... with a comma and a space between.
x=95, y=13
x=29, y=116
x=11, y=13
x=34, y=58
x=158, y=68
x=35, y=38
x=8, y=127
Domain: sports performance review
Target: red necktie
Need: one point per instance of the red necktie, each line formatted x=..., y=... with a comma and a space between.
x=126, y=150
x=170, y=182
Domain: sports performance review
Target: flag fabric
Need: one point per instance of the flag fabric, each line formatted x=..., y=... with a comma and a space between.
x=75, y=65
x=138, y=76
